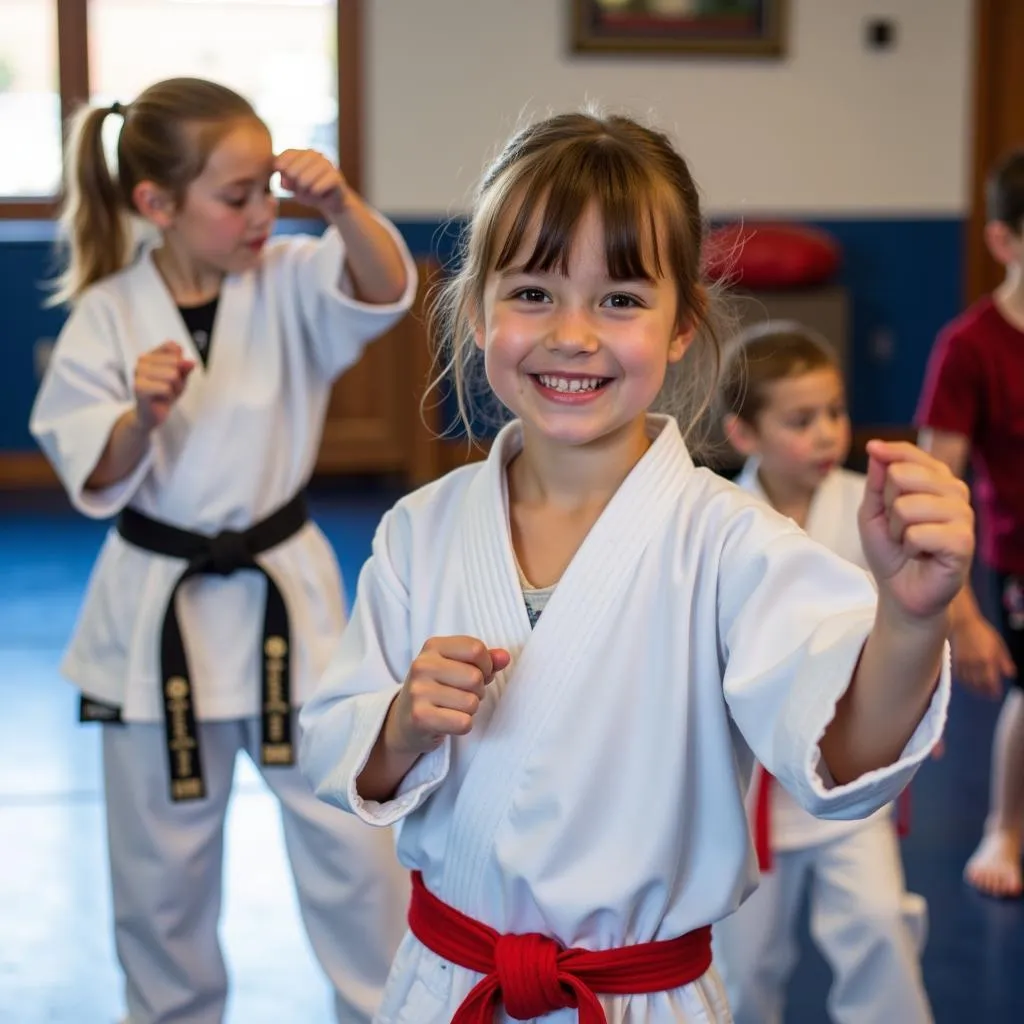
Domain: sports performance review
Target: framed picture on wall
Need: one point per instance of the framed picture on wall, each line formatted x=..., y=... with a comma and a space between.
x=740, y=28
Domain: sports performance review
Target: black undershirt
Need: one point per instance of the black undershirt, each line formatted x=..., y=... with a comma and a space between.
x=199, y=323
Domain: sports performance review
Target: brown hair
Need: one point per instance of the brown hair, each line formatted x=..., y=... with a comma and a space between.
x=1004, y=192
x=645, y=194
x=764, y=354
x=169, y=131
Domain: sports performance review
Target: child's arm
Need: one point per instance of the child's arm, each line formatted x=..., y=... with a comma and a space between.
x=126, y=448
x=793, y=621
x=160, y=377
x=341, y=722
x=340, y=291
x=375, y=264
x=980, y=656
x=373, y=260
x=951, y=412
x=918, y=535
x=342, y=752
x=85, y=416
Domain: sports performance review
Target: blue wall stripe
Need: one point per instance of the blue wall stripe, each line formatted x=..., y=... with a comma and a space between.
x=904, y=275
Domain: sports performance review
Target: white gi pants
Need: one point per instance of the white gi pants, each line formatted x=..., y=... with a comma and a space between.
x=166, y=862
x=869, y=929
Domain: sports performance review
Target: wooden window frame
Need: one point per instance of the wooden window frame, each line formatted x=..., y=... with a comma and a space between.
x=73, y=81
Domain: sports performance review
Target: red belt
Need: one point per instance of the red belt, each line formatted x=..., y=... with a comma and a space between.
x=532, y=975
x=763, y=818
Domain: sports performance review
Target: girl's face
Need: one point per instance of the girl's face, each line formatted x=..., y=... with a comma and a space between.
x=803, y=431
x=228, y=212
x=578, y=357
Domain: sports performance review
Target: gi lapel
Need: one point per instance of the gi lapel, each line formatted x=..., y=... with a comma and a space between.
x=826, y=517
x=233, y=342
x=158, y=320
x=550, y=666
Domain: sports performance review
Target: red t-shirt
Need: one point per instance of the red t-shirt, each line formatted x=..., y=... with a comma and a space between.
x=974, y=386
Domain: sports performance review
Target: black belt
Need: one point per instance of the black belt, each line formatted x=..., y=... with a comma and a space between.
x=223, y=555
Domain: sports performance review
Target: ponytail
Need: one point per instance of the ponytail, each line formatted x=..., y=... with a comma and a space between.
x=94, y=221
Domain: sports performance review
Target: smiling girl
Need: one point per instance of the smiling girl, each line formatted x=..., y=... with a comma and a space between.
x=562, y=661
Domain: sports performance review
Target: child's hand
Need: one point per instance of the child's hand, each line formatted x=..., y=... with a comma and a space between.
x=442, y=693
x=314, y=180
x=981, y=659
x=160, y=377
x=917, y=529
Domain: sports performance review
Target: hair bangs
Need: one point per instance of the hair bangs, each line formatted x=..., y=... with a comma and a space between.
x=555, y=200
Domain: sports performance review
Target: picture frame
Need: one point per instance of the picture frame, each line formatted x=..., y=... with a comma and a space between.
x=726, y=28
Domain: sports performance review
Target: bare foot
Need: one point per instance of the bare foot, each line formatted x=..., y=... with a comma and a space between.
x=994, y=867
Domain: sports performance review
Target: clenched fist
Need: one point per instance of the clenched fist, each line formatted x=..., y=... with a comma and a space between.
x=917, y=529
x=442, y=692
x=160, y=377
x=313, y=180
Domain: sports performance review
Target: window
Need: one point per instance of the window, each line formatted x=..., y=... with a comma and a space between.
x=280, y=54
x=296, y=60
x=29, y=99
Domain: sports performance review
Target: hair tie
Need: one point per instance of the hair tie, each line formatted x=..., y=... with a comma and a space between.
x=116, y=108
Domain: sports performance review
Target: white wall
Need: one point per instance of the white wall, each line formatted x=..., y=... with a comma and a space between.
x=834, y=128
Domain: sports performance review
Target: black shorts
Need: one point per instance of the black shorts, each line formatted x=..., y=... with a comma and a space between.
x=1011, y=618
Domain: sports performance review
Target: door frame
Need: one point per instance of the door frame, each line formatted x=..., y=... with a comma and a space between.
x=991, y=31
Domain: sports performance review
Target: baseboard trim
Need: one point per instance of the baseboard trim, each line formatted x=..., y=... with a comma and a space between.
x=24, y=471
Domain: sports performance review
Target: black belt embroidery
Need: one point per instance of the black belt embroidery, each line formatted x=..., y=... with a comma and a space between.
x=227, y=553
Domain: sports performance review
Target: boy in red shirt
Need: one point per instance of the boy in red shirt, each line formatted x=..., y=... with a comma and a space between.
x=972, y=407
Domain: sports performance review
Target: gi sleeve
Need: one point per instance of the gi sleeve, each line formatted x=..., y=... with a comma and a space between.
x=793, y=619
x=335, y=325
x=341, y=722
x=86, y=389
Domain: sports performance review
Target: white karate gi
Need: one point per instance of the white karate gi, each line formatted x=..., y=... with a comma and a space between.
x=240, y=442
x=868, y=927
x=598, y=798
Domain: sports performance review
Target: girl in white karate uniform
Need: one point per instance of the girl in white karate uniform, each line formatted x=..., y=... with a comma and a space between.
x=186, y=396
x=562, y=660
x=785, y=410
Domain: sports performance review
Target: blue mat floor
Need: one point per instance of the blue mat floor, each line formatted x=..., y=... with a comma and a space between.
x=57, y=963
